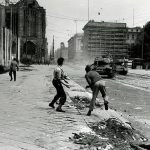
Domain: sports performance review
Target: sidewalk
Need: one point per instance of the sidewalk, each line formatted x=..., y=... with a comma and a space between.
x=28, y=123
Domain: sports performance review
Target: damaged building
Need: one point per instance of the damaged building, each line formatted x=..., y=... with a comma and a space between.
x=27, y=20
x=6, y=41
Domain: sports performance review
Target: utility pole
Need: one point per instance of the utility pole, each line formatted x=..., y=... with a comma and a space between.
x=88, y=10
x=53, y=50
x=133, y=17
x=76, y=25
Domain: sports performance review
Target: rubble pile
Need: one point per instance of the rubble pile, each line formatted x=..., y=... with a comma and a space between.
x=81, y=102
x=89, y=141
x=111, y=133
x=119, y=134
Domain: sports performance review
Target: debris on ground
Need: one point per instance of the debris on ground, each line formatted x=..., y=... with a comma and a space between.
x=89, y=141
x=112, y=133
x=81, y=102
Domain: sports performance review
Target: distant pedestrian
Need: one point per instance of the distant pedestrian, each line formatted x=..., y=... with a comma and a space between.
x=13, y=68
x=96, y=84
x=58, y=78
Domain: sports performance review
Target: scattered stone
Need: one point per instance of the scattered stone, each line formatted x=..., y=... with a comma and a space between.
x=110, y=134
x=81, y=102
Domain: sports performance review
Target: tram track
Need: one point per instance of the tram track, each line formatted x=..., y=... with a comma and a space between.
x=145, y=76
x=135, y=80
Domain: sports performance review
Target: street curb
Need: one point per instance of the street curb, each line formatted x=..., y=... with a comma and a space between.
x=77, y=90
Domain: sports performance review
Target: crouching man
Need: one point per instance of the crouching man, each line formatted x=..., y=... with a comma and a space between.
x=96, y=84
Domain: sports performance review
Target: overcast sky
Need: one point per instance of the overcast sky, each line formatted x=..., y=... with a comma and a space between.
x=62, y=13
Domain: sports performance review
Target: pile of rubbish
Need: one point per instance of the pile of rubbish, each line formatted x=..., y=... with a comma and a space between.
x=110, y=134
x=81, y=102
x=90, y=141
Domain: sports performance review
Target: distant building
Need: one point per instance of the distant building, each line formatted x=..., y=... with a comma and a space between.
x=6, y=40
x=103, y=38
x=132, y=35
x=2, y=23
x=75, y=47
x=27, y=20
x=62, y=52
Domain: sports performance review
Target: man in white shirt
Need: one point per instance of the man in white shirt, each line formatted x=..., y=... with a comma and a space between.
x=58, y=79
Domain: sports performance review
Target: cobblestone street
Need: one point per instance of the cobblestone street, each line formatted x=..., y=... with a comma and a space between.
x=28, y=123
x=26, y=120
x=74, y=75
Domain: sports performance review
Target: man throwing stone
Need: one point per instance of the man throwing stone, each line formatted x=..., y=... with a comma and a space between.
x=58, y=79
x=96, y=84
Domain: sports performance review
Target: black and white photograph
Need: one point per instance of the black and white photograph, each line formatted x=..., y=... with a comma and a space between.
x=74, y=75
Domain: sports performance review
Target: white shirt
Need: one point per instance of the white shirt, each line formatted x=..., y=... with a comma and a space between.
x=58, y=73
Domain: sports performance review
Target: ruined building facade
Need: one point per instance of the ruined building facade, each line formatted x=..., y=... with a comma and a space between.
x=5, y=40
x=27, y=20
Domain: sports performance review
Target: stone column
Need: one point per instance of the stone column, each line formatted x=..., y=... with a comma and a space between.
x=20, y=22
x=2, y=23
x=39, y=24
x=1, y=41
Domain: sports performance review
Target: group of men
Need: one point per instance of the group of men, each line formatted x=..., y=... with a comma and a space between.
x=93, y=79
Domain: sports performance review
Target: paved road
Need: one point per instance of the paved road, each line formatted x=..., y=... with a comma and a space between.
x=26, y=120
x=129, y=95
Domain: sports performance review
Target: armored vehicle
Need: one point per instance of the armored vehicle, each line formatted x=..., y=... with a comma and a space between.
x=121, y=66
x=103, y=66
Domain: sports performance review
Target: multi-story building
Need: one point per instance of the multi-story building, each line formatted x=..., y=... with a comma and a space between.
x=75, y=47
x=27, y=20
x=103, y=38
x=132, y=35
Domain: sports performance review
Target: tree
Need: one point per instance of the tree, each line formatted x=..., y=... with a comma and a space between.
x=142, y=47
x=146, y=43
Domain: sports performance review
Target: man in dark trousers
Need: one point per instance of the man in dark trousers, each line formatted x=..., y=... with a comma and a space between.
x=96, y=84
x=58, y=79
x=13, y=68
